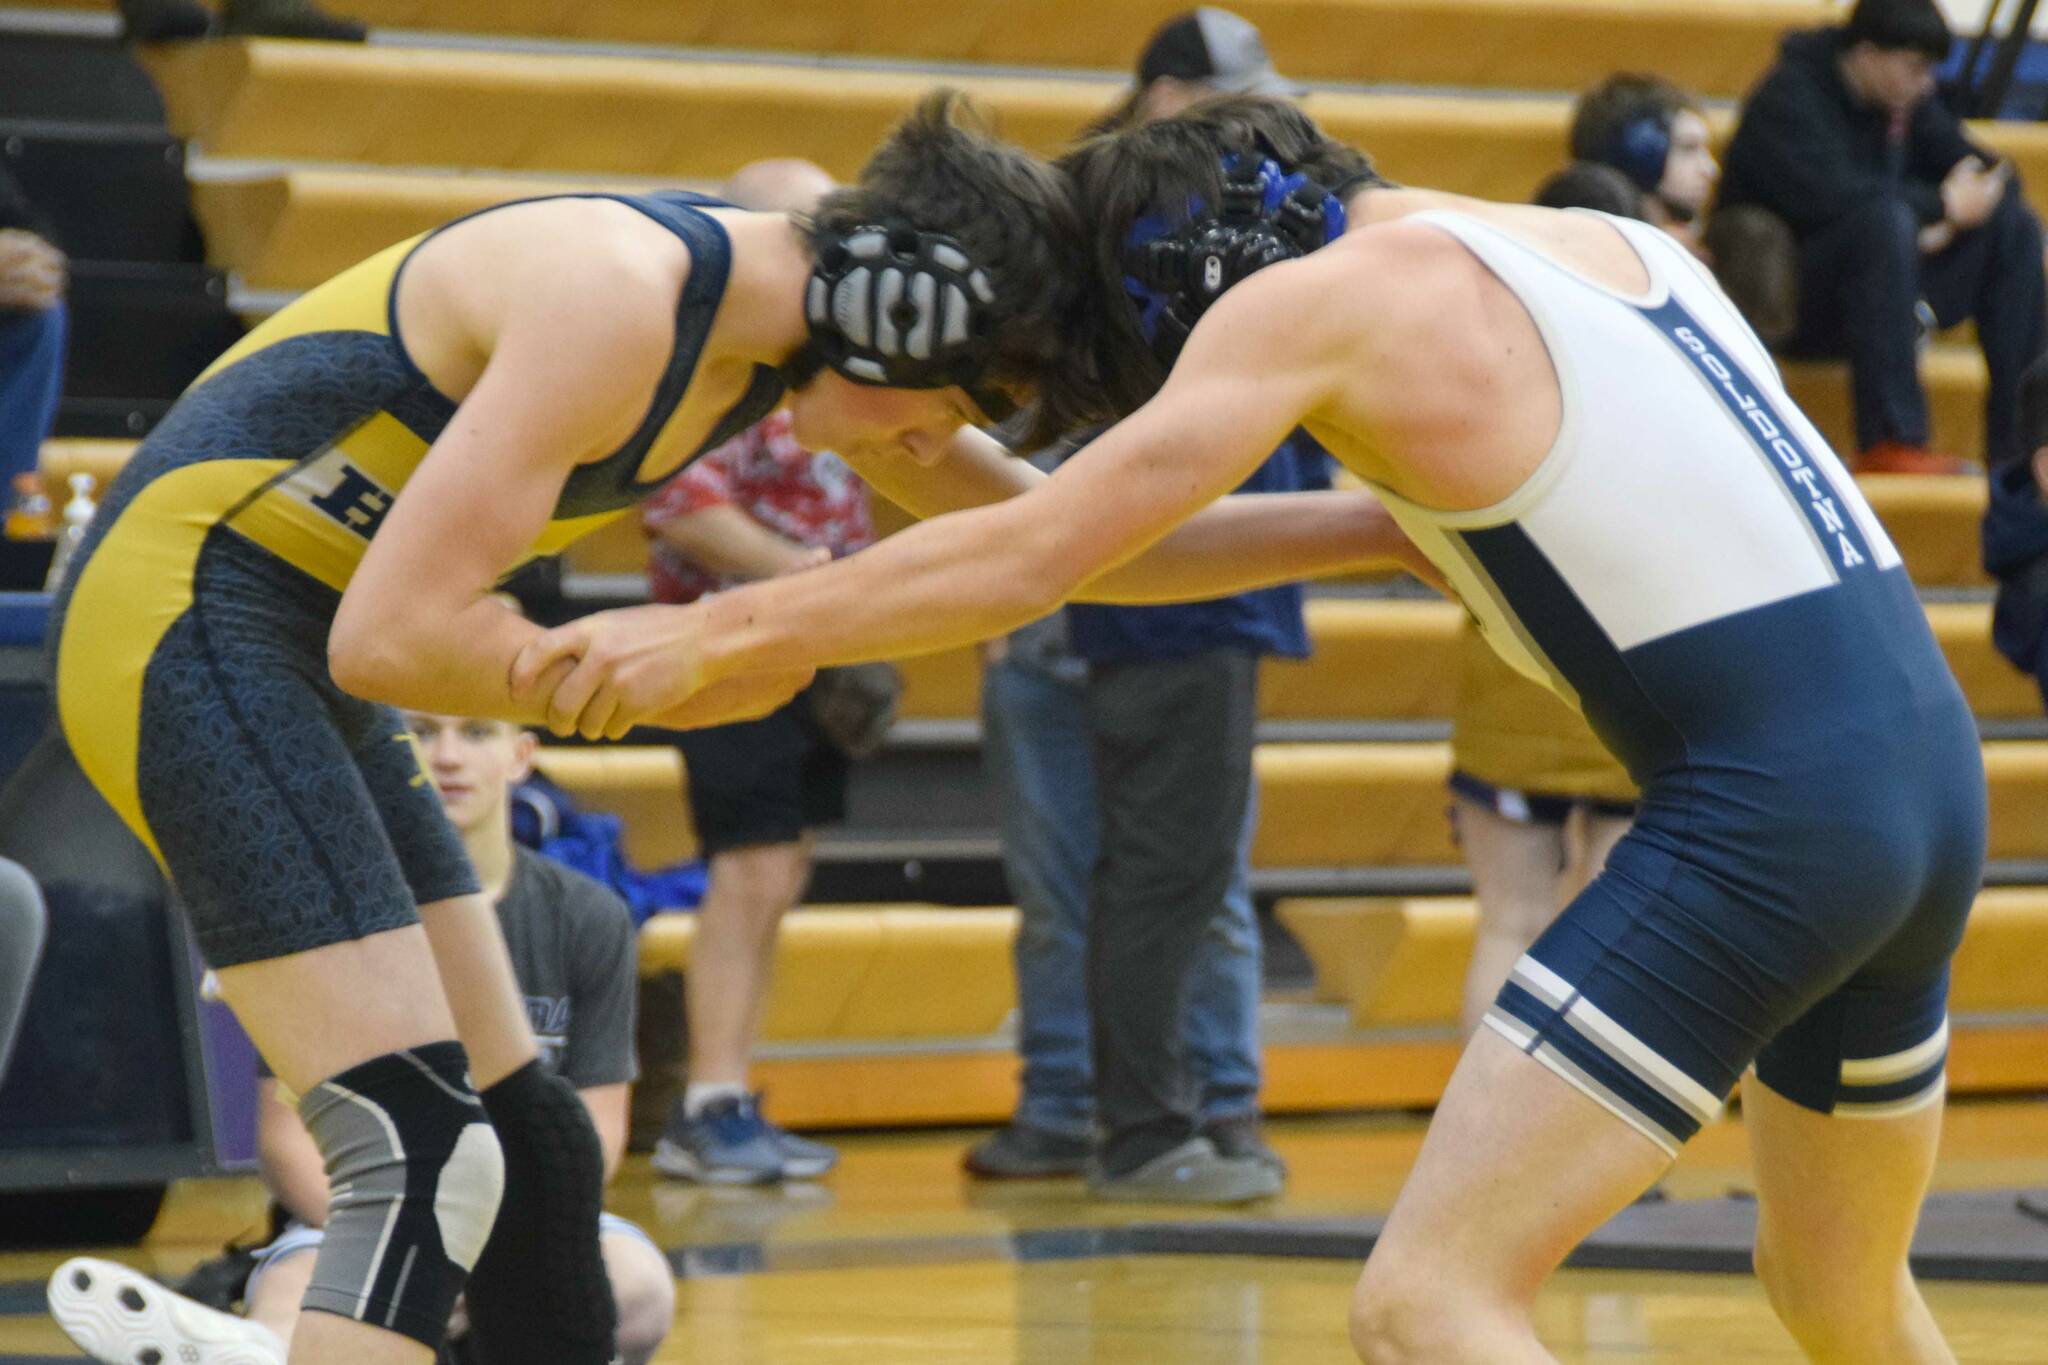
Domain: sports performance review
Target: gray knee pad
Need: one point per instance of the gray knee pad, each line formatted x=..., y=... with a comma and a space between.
x=415, y=1173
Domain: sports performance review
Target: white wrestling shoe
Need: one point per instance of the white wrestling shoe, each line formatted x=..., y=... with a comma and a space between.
x=119, y=1316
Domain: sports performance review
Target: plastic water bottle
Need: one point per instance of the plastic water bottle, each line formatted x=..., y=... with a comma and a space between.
x=31, y=517
x=77, y=517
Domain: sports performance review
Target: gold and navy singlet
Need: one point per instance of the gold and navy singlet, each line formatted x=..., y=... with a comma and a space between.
x=190, y=641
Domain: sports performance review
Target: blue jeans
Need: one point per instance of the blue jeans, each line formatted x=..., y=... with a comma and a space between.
x=1036, y=747
x=31, y=379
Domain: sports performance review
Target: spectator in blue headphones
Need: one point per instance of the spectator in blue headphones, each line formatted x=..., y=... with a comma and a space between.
x=1653, y=133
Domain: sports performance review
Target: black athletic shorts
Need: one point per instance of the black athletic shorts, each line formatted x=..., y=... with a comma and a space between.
x=762, y=781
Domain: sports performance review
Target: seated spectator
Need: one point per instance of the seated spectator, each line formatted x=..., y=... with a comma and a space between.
x=758, y=506
x=1592, y=185
x=32, y=328
x=1895, y=211
x=1653, y=133
x=2016, y=537
x=158, y=21
x=1195, y=56
x=573, y=951
x=1653, y=137
x=1756, y=263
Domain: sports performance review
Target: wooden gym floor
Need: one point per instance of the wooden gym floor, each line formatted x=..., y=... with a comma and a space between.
x=899, y=1260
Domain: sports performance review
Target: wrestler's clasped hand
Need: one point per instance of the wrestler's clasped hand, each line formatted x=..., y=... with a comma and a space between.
x=639, y=666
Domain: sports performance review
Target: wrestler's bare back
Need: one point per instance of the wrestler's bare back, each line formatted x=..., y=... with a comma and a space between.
x=1448, y=396
x=467, y=283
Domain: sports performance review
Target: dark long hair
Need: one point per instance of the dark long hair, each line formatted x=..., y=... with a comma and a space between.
x=1120, y=177
x=943, y=170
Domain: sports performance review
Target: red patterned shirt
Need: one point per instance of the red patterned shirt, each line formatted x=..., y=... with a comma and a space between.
x=812, y=499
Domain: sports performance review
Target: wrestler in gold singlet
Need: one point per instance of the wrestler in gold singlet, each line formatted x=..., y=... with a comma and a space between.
x=191, y=660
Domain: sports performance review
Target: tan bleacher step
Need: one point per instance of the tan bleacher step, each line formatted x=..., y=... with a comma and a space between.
x=1370, y=805
x=1400, y=962
x=1352, y=805
x=59, y=459
x=1511, y=44
x=1396, y=660
x=642, y=784
x=2003, y=962
x=1390, y=659
x=297, y=228
x=591, y=115
x=962, y=1081
x=1995, y=688
x=1715, y=49
x=1934, y=520
x=1375, y=659
x=952, y=1082
x=1953, y=376
x=872, y=972
x=2017, y=772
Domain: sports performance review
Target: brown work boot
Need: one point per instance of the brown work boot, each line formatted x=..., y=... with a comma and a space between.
x=288, y=19
x=1896, y=457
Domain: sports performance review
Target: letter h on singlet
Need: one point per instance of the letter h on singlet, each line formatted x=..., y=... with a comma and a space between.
x=356, y=502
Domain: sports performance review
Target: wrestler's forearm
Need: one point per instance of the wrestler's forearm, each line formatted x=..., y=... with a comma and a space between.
x=1255, y=541
x=457, y=661
x=950, y=581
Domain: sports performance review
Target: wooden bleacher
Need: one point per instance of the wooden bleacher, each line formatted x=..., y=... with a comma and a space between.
x=881, y=1013
x=582, y=122
x=606, y=116
x=1713, y=46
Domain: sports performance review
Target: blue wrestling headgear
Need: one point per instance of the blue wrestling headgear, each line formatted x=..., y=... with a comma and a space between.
x=1174, y=269
x=896, y=308
x=1640, y=148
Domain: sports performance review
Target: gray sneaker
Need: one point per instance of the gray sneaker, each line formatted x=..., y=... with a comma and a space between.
x=803, y=1159
x=1192, y=1173
x=1017, y=1151
x=728, y=1143
x=1243, y=1136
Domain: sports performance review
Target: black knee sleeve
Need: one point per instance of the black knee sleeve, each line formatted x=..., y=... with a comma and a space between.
x=415, y=1176
x=539, y=1294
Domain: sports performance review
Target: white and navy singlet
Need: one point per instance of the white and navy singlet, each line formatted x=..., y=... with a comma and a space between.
x=1693, y=568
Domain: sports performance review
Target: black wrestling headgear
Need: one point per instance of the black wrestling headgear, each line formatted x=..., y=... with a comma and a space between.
x=893, y=307
x=1176, y=266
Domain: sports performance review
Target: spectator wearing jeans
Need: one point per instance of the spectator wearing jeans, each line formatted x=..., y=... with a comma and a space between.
x=1163, y=951
x=32, y=329
x=1122, y=757
x=1037, y=750
x=1896, y=213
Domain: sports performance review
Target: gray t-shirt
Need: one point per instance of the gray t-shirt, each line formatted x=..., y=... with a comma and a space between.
x=577, y=960
x=576, y=957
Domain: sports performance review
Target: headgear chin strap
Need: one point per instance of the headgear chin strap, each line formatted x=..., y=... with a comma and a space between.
x=1175, y=269
x=896, y=308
